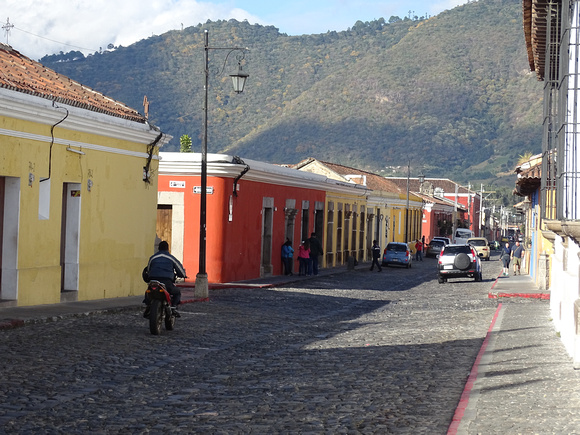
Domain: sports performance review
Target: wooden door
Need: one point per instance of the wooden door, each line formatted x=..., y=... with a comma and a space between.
x=163, y=229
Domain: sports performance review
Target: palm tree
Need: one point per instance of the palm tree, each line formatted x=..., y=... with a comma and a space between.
x=185, y=144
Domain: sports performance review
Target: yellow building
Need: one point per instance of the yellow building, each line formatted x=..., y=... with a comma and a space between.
x=375, y=210
x=77, y=201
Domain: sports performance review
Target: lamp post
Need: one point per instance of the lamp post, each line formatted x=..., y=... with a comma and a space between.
x=421, y=181
x=407, y=206
x=238, y=81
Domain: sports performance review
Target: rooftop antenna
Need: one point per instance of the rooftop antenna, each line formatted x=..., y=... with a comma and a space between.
x=7, y=28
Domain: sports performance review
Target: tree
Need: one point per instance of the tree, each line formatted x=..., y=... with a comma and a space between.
x=185, y=144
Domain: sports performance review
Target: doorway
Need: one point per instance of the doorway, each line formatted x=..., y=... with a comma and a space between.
x=69, y=247
x=266, y=267
x=164, y=224
x=9, y=217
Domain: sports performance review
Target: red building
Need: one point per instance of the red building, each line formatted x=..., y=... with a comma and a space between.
x=468, y=200
x=252, y=207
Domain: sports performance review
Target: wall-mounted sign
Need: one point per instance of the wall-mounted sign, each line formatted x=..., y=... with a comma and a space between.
x=75, y=193
x=177, y=184
x=208, y=190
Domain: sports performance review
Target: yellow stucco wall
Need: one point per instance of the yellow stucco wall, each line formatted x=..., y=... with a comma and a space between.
x=117, y=217
x=338, y=205
x=387, y=208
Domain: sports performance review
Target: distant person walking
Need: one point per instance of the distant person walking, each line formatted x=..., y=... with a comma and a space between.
x=304, y=257
x=506, y=253
x=287, y=256
x=315, y=252
x=518, y=253
x=419, y=247
x=376, y=251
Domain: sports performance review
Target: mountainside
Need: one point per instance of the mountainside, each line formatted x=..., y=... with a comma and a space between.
x=452, y=94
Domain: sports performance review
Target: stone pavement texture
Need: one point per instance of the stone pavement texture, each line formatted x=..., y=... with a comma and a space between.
x=298, y=355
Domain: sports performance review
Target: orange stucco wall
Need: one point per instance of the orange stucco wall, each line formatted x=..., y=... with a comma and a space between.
x=234, y=247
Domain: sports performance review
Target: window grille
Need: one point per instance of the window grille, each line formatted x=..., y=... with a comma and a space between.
x=561, y=125
x=551, y=96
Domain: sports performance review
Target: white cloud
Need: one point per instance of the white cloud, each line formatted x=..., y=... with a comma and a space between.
x=50, y=26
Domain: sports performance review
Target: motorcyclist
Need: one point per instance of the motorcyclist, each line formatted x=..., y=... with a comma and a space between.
x=164, y=267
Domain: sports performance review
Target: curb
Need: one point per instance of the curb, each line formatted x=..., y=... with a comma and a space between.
x=471, y=379
x=544, y=296
x=497, y=295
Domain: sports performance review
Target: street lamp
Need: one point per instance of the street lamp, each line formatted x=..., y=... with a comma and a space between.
x=238, y=81
x=407, y=206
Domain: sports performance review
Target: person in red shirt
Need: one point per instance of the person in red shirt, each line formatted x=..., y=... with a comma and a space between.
x=419, y=248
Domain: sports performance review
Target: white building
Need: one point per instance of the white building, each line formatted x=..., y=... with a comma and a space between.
x=552, y=39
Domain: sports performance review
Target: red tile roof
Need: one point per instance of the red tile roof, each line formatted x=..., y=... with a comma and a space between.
x=21, y=74
x=373, y=181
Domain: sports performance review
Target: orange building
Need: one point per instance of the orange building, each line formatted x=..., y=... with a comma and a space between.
x=252, y=208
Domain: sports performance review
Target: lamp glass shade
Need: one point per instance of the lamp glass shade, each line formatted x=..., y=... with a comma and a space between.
x=239, y=80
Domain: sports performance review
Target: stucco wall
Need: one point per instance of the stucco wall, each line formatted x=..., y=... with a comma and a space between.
x=116, y=223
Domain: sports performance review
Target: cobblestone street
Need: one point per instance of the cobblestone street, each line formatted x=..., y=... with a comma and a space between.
x=356, y=352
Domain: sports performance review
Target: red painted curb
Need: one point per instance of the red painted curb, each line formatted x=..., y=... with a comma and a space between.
x=464, y=400
x=191, y=301
x=545, y=296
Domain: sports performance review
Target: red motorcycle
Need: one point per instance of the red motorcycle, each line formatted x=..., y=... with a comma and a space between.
x=158, y=308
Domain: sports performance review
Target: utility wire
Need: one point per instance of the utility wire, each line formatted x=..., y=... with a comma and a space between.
x=52, y=40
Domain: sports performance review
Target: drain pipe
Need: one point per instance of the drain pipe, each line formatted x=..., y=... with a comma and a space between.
x=239, y=161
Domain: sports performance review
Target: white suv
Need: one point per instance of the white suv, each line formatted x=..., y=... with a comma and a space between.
x=458, y=261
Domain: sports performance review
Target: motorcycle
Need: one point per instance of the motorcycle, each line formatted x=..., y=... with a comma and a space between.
x=159, y=307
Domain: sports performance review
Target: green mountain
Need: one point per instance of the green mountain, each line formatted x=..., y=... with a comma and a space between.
x=451, y=94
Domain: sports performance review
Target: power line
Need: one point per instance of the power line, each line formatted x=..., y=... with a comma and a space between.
x=52, y=40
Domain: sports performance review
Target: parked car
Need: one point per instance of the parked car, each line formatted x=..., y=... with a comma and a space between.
x=481, y=245
x=458, y=261
x=397, y=253
x=445, y=240
x=434, y=248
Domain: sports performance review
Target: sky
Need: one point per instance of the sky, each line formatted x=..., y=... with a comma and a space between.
x=39, y=27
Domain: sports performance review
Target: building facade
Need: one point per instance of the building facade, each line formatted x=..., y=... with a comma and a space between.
x=391, y=216
x=77, y=204
x=552, y=35
x=254, y=207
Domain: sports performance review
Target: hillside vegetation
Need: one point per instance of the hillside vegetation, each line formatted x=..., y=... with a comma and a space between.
x=451, y=94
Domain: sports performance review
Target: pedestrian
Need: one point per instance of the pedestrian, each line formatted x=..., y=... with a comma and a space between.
x=518, y=255
x=376, y=252
x=505, y=258
x=304, y=257
x=315, y=252
x=164, y=267
x=419, y=248
x=287, y=256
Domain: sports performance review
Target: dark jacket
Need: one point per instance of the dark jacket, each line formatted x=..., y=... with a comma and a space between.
x=315, y=247
x=163, y=265
x=376, y=251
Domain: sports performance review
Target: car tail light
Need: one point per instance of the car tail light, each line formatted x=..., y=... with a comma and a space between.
x=473, y=253
x=407, y=253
